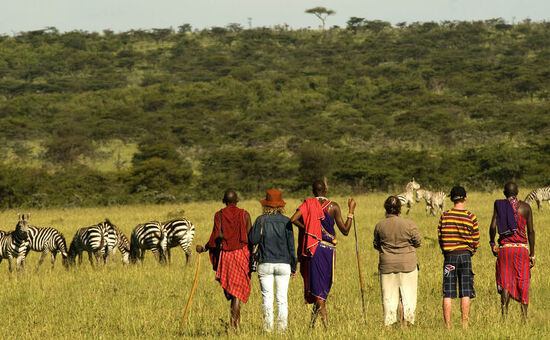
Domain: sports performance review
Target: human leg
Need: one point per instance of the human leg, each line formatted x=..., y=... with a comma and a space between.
x=524, y=311
x=504, y=301
x=265, y=274
x=282, y=277
x=447, y=307
x=465, y=308
x=449, y=287
x=389, y=286
x=235, y=314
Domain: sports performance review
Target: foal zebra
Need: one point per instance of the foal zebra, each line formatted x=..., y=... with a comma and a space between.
x=539, y=195
x=47, y=240
x=13, y=244
x=148, y=236
x=91, y=239
x=116, y=239
x=435, y=200
x=407, y=197
x=179, y=232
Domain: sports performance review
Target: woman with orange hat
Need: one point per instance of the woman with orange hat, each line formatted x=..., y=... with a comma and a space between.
x=272, y=232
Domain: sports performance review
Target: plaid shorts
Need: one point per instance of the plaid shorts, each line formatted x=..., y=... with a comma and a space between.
x=458, y=267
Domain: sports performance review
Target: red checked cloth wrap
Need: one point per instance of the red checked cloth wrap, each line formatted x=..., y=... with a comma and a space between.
x=233, y=273
x=312, y=214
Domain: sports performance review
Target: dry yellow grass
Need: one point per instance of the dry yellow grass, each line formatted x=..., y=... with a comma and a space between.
x=147, y=301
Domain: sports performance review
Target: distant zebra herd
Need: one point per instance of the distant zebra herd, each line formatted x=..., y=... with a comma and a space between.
x=435, y=200
x=100, y=241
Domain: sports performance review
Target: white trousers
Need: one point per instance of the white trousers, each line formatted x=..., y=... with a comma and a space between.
x=280, y=273
x=394, y=285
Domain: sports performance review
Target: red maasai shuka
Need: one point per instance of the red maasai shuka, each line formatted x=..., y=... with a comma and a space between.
x=513, y=272
x=233, y=273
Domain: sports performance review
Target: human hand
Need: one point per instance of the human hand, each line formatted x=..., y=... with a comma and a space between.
x=351, y=205
x=200, y=249
x=495, y=249
x=531, y=261
x=293, y=274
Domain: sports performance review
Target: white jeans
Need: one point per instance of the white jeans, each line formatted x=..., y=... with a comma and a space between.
x=281, y=273
x=394, y=285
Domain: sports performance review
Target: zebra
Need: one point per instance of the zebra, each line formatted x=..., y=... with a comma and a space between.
x=116, y=240
x=47, y=240
x=435, y=200
x=148, y=236
x=91, y=239
x=179, y=232
x=539, y=195
x=13, y=244
x=407, y=197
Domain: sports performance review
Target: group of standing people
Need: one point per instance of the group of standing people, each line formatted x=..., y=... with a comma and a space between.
x=234, y=235
x=395, y=238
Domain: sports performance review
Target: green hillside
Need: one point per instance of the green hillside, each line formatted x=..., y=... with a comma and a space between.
x=162, y=115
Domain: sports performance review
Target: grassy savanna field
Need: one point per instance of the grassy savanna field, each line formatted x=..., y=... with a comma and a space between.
x=148, y=301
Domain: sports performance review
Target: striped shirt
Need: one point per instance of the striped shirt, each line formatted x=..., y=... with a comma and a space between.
x=458, y=231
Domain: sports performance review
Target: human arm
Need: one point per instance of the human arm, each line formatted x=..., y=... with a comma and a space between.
x=344, y=226
x=213, y=236
x=475, y=233
x=415, y=237
x=296, y=219
x=291, y=249
x=376, y=240
x=248, y=222
x=439, y=234
x=530, y=235
x=254, y=234
x=493, y=232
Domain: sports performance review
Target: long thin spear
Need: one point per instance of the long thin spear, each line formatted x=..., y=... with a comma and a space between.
x=359, y=267
x=190, y=295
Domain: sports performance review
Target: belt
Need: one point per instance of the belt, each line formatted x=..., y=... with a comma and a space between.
x=326, y=244
x=507, y=245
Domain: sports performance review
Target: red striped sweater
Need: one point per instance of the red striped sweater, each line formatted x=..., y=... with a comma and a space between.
x=458, y=231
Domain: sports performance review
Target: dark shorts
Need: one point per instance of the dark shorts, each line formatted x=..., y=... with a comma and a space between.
x=458, y=268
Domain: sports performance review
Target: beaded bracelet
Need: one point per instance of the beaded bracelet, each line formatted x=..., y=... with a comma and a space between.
x=350, y=216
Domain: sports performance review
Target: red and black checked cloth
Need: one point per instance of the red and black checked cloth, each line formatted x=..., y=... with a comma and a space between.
x=233, y=273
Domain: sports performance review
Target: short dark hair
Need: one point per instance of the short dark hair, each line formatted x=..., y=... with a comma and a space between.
x=230, y=197
x=511, y=189
x=392, y=205
x=318, y=187
x=458, y=194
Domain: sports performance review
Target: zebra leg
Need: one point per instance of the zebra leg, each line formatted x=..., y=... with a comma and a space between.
x=90, y=258
x=20, y=262
x=10, y=263
x=157, y=254
x=408, y=208
x=142, y=255
x=79, y=258
x=54, y=254
x=42, y=256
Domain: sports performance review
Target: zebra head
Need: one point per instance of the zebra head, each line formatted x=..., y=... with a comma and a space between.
x=22, y=227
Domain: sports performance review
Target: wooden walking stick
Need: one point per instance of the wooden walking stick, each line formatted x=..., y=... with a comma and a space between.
x=190, y=296
x=359, y=267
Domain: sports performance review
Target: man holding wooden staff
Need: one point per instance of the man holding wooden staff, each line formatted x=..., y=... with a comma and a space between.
x=315, y=219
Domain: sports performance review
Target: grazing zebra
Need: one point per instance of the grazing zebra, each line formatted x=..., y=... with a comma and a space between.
x=435, y=200
x=179, y=232
x=91, y=239
x=148, y=236
x=47, y=240
x=13, y=244
x=539, y=195
x=117, y=240
x=407, y=197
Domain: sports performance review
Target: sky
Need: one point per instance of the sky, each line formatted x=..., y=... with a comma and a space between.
x=123, y=15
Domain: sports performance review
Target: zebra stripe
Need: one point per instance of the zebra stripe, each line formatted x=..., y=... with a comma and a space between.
x=407, y=197
x=179, y=232
x=435, y=200
x=148, y=236
x=47, y=240
x=116, y=240
x=538, y=195
x=13, y=244
x=91, y=239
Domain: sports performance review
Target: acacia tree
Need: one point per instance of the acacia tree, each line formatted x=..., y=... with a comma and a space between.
x=321, y=13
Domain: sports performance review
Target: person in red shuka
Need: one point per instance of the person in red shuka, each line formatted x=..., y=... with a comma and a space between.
x=229, y=254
